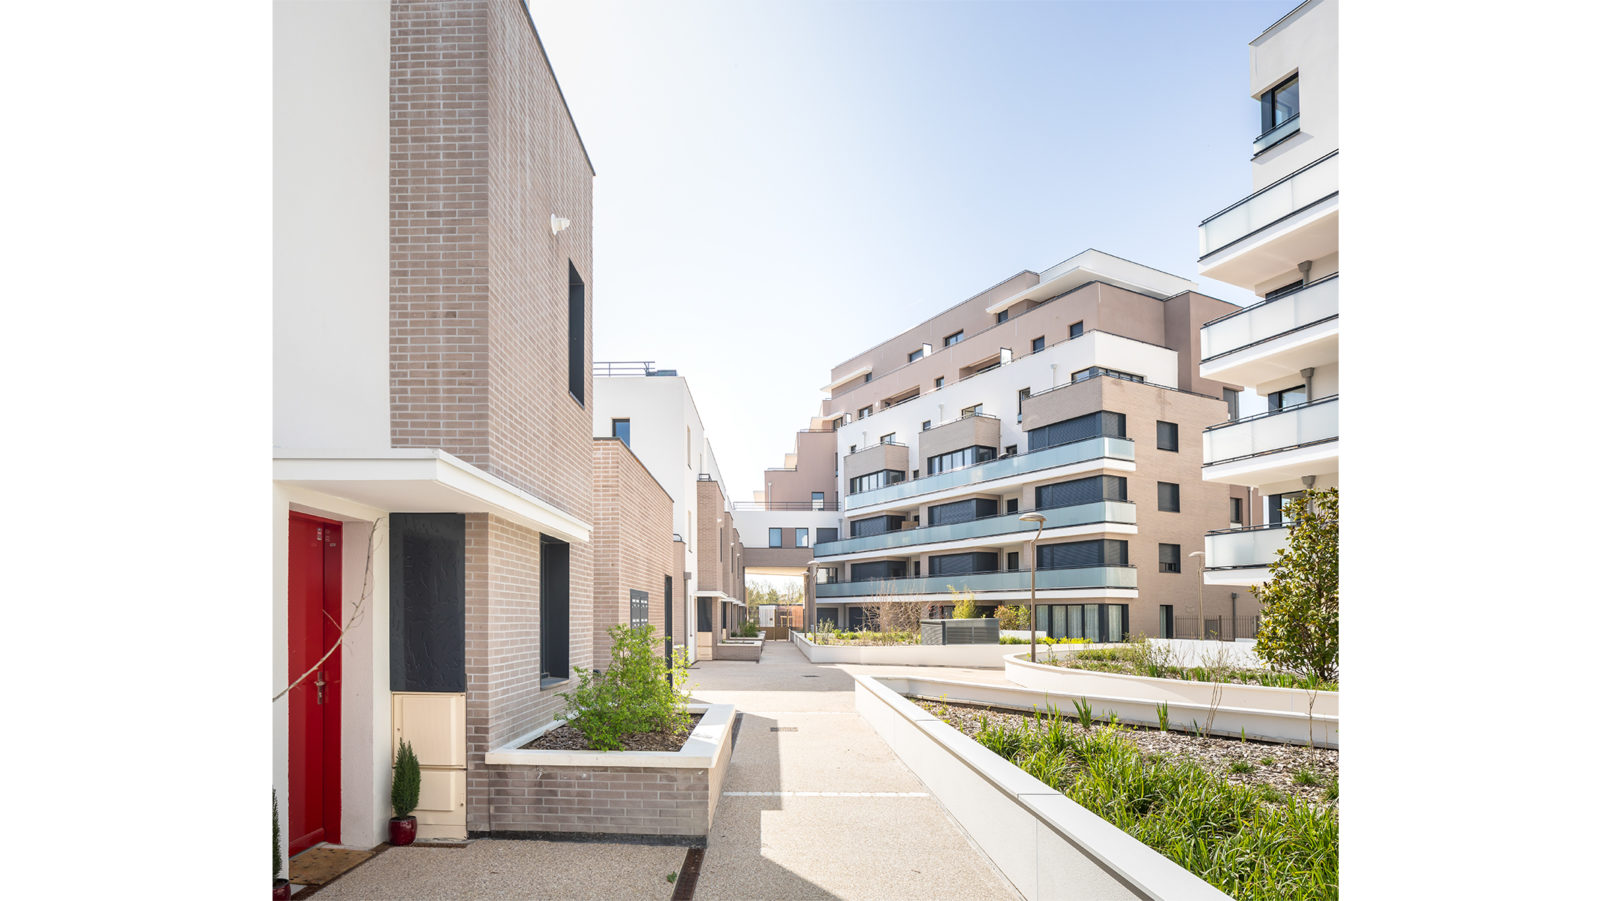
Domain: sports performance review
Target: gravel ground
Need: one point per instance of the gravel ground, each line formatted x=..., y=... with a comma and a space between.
x=1273, y=765
x=570, y=738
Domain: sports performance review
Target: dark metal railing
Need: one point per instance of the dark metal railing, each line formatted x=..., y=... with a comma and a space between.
x=608, y=368
x=786, y=505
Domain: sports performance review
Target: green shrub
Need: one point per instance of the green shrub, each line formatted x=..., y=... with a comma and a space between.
x=748, y=630
x=963, y=604
x=405, y=781
x=632, y=694
x=275, y=796
x=1241, y=766
x=1298, y=627
x=1013, y=618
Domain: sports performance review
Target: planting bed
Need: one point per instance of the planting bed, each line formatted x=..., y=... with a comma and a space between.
x=1221, y=756
x=567, y=737
x=1124, y=661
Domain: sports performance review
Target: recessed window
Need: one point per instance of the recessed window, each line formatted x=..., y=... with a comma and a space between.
x=975, y=410
x=1169, y=558
x=940, y=381
x=775, y=538
x=865, y=412
x=953, y=338
x=867, y=377
x=817, y=500
x=1279, y=104
x=576, y=343
x=926, y=425
x=1077, y=329
x=853, y=449
x=1012, y=559
x=1010, y=450
x=915, y=356
x=1038, y=345
x=1232, y=399
x=1236, y=511
x=622, y=428
x=803, y=538
x=1169, y=497
x=1289, y=287
x=888, y=439
x=1095, y=371
x=1012, y=505
x=1002, y=317
x=1024, y=395
x=1169, y=436
x=1281, y=400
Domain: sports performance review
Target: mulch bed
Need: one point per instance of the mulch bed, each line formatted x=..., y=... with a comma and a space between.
x=569, y=738
x=1213, y=754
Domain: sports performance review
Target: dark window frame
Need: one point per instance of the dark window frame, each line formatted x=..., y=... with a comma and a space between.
x=1169, y=566
x=1174, y=433
x=615, y=430
x=576, y=337
x=1076, y=329
x=1037, y=345
x=953, y=338
x=803, y=536
x=1170, y=491
x=775, y=536
x=1267, y=104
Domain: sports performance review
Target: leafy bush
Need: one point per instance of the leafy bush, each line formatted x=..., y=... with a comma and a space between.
x=1014, y=618
x=405, y=781
x=1041, y=639
x=963, y=606
x=1250, y=842
x=748, y=630
x=632, y=695
x=1141, y=657
x=827, y=634
x=1298, y=627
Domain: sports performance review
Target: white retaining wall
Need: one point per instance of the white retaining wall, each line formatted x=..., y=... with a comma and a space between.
x=980, y=656
x=1076, y=682
x=1047, y=845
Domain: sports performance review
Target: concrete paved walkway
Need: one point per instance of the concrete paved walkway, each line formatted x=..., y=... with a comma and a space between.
x=816, y=805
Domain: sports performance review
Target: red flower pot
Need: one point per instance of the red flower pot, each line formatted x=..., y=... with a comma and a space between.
x=282, y=890
x=403, y=830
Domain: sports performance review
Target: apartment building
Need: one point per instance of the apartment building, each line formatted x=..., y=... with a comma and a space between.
x=652, y=411
x=798, y=507
x=633, y=551
x=1073, y=393
x=1281, y=242
x=433, y=490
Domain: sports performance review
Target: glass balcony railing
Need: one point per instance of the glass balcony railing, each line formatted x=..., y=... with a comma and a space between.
x=1057, y=517
x=1243, y=548
x=1298, y=426
x=1262, y=321
x=1001, y=467
x=1017, y=580
x=1308, y=185
x=1275, y=136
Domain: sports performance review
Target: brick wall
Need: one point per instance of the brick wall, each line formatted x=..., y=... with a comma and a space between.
x=632, y=527
x=632, y=800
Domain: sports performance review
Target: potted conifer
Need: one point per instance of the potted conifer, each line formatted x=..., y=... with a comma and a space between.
x=405, y=795
x=282, y=887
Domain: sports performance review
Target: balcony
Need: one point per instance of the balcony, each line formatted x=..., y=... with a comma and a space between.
x=1086, y=451
x=1272, y=230
x=1276, y=135
x=1084, y=577
x=1101, y=512
x=1273, y=338
x=1242, y=556
x=1275, y=447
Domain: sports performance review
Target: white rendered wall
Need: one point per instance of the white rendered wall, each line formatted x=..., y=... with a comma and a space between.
x=998, y=391
x=753, y=524
x=664, y=423
x=331, y=250
x=1308, y=44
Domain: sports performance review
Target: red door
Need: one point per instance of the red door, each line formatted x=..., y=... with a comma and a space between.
x=313, y=613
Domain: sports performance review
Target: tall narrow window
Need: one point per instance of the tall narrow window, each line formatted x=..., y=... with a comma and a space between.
x=817, y=500
x=554, y=610
x=688, y=441
x=1236, y=511
x=1169, y=497
x=803, y=538
x=1169, y=558
x=1279, y=104
x=1038, y=345
x=622, y=428
x=940, y=381
x=578, y=318
x=775, y=538
x=1169, y=436
x=1233, y=402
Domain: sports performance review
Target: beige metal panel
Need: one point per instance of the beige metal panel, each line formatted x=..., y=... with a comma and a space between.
x=433, y=724
x=442, y=797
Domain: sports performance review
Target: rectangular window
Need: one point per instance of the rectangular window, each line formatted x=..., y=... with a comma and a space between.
x=1088, y=490
x=961, y=511
x=958, y=459
x=637, y=608
x=963, y=564
x=775, y=538
x=1102, y=423
x=1282, y=400
x=1038, y=345
x=878, y=525
x=1013, y=561
x=877, y=480
x=803, y=538
x=1096, y=371
x=867, y=377
x=1236, y=511
x=1078, y=554
x=940, y=381
x=888, y=439
x=1097, y=622
x=865, y=412
x=1278, y=292
x=1169, y=497
x=1169, y=436
x=1233, y=402
x=829, y=533
x=1012, y=505
x=1166, y=620
x=1279, y=104
x=975, y=410
x=880, y=569
x=926, y=425
x=915, y=356
x=1275, y=503
x=817, y=500
x=953, y=338
x=1077, y=329
x=577, y=343
x=622, y=428
x=554, y=609
x=1010, y=450
x=1024, y=395
x=1001, y=317
x=1169, y=558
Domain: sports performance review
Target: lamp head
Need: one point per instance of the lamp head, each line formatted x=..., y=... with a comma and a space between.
x=1032, y=517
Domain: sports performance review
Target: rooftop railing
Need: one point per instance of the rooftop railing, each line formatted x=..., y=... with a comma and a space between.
x=610, y=368
x=1122, y=512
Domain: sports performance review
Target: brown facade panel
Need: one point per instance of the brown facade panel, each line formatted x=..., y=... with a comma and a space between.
x=876, y=458
x=631, y=528
x=969, y=431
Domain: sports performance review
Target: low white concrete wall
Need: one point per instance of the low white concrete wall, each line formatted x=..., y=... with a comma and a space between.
x=1076, y=682
x=1047, y=845
x=980, y=656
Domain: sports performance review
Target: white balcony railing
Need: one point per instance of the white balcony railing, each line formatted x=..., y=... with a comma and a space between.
x=1306, y=424
x=1308, y=305
x=1243, y=548
x=1264, y=207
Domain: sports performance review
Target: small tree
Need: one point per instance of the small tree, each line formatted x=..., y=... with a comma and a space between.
x=1013, y=618
x=1298, y=627
x=963, y=604
x=632, y=695
x=405, y=781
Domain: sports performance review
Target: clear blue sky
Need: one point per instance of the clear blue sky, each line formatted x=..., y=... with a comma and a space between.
x=782, y=185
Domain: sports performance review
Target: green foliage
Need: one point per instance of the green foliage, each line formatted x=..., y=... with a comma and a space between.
x=275, y=796
x=748, y=630
x=963, y=606
x=405, y=781
x=1304, y=777
x=1250, y=842
x=1332, y=790
x=632, y=694
x=1267, y=761
x=1164, y=717
x=1241, y=766
x=1298, y=626
x=1083, y=712
x=1013, y=618
x=1141, y=657
x=1041, y=639
x=826, y=634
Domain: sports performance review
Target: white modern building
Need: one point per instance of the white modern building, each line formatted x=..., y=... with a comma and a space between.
x=1281, y=242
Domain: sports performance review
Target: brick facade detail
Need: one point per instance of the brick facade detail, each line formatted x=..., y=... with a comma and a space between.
x=632, y=534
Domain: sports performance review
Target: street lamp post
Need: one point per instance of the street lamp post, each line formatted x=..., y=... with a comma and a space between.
x=1202, y=631
x=1040, y=522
